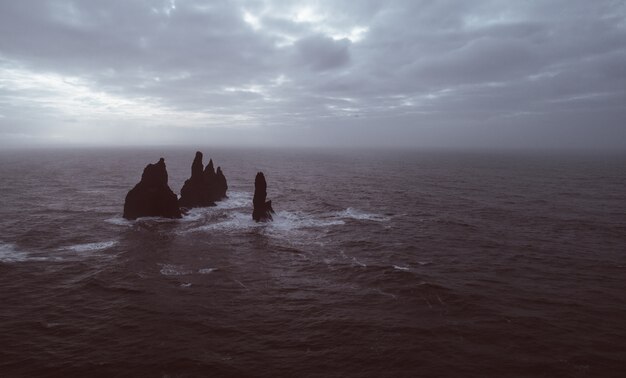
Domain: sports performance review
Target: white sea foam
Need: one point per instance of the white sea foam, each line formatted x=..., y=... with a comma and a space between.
x=174, y=270
x=284, y=221
x=196, y=214
x=9, y=254
x=185, y=284
x=235, y=222
x=119, y=221
x=354, y=259
x=206, y=270
x=88, y=247
x=404, y=268
x=351, y=213
x=235, y=200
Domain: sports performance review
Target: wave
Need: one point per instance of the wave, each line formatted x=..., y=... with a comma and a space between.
x=351, y=213
x=236, y=200
x=180, y=270
x=403, y=268
x=87, y=247
x=119, y=221
x=9, y=254
x=284, y=221
x=174, y=270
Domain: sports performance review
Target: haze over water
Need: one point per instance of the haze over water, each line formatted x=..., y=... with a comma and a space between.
x=378, y=264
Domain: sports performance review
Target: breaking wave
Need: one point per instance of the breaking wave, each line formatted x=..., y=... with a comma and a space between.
x=283, y=221
x=235, y=200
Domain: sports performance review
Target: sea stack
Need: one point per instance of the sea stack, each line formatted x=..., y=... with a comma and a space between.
x=262, y=209
x=152, y=197
x=204, y=187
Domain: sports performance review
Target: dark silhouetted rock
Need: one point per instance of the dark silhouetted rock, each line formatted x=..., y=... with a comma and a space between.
x=195, y=191
x=152, y=197
x=262, y=209
x=221, y=186
x=204, y=187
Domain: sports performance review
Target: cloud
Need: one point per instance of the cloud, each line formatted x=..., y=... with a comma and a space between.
x=322, y=53
x=426, y=72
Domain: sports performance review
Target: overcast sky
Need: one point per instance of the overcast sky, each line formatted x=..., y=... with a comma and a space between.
x=544, y=74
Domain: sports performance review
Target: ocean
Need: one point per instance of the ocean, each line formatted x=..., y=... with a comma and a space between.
x=379, y=263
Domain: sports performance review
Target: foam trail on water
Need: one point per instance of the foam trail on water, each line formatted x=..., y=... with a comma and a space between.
x=206, y=270
x=98, y=246
x=9, y=254
x=404, y=268
x=352, y=213
x=284, y=220
x=174, y=270
x=119, y=221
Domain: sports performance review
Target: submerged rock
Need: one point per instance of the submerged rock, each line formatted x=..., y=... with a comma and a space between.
x=204, y=187
x=152, y=197
x=262, y=209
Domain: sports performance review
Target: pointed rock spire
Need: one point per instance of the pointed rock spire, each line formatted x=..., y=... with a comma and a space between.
x=209, y=170
x=197, y=165
x=204, y=187
x=221, y=184
x=262, y=209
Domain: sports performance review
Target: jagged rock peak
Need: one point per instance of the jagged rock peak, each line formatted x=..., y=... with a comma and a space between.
x=197, y=166
x=209, y=170
x=221, y=184
x=263, y=210
x=152, y=197
x=204, y=187
x=155, y=174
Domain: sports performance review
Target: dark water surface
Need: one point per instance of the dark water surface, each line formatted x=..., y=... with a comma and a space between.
x=379, y=264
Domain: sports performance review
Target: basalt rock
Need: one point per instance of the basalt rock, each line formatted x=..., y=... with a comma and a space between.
x=262, y=209
x=195, y=190
x=204, y=187
x=221, y=186
x=152, y=197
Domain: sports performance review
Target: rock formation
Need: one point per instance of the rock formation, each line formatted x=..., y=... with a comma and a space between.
x=221, y=186
x=152, y=197
x=204, y=187
x=262, y=210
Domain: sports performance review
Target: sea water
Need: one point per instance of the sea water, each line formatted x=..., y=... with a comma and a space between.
x=378, y=264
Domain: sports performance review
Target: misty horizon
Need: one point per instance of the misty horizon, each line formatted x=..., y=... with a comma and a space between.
x=543, y=75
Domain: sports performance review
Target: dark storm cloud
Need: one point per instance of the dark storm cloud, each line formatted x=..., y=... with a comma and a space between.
x=419, y=72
